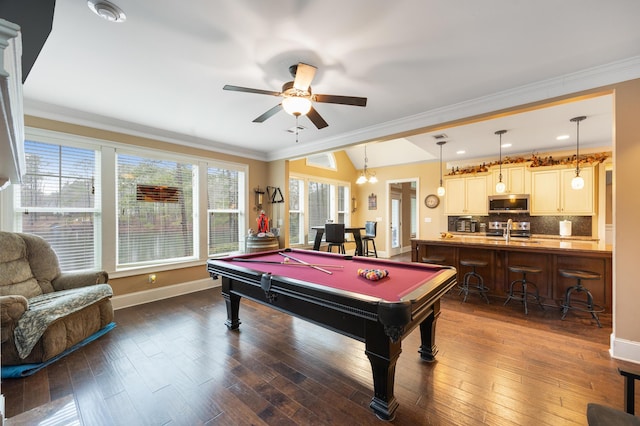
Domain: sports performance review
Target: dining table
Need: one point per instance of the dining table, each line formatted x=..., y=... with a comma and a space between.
x=353, y=230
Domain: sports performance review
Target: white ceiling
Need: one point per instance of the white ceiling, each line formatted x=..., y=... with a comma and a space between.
x=419, y=62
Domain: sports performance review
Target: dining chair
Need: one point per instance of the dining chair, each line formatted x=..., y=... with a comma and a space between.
x=334, y=236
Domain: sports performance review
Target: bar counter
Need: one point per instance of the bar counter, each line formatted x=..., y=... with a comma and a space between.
x=548, y=254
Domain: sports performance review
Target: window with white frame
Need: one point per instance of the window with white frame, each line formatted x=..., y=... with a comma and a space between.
x=323, y=201
x=155, y=210
x=225, y=209
x=296, y=211
x=59, y=200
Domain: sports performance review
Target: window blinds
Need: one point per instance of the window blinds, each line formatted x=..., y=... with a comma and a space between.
x=155, y=210
x=59, y=200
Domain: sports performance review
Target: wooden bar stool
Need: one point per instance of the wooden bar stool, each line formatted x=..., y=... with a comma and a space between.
x=587, y=306
x=370, y=231
x=478, y=285
x=523, y=294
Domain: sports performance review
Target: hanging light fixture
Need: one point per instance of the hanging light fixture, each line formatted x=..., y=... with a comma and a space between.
x=577, y=182
x=500, y=186
x=366, y=175
x=440, y=191
x=296, y=105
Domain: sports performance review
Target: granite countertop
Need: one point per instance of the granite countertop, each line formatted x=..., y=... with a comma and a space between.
x=534, y=243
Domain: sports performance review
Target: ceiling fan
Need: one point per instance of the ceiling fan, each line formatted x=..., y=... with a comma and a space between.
x=298, y=97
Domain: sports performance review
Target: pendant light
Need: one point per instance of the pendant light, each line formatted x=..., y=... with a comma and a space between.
x=441, y=190
x=577, y=182
x=366, y=175
x=500, y=186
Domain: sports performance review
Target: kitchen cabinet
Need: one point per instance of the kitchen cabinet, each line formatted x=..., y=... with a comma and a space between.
x=514, y=178
x=550, y=257
x=551, y=192
x=466, y=195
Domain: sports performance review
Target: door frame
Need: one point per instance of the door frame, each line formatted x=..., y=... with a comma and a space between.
x=388, y=184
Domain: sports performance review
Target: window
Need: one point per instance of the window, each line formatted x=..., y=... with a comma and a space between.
x=325, y=160
x=59, y=200
x=296, y=211
x=323, y=201
x=225, y=189
x=155, y=210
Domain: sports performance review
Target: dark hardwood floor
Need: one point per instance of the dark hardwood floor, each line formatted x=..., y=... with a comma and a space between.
x=173, y=362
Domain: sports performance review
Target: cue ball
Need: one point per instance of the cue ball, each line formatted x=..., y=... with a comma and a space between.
x=286, y=260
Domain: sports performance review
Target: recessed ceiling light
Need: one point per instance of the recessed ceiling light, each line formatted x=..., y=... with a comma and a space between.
x=562, y=137
x=107, y=10
x=462, y=151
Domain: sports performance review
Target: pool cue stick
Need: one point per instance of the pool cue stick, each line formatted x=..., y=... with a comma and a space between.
x=273, y=262
x=306, y=263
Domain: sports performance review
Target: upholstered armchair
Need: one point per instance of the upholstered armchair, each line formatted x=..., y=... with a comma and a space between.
x=44, y=312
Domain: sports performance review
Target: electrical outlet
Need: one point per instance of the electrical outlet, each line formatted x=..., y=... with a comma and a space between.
x=152, y=278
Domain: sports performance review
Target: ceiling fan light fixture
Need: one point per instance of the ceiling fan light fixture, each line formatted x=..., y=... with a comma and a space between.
x=107, y=10
x=296, y=105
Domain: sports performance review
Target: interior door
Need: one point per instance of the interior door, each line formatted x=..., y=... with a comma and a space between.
x=396, y=224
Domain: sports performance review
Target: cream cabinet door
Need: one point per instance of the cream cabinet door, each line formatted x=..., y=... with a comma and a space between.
x=454, y=197
x=545, y=193
x=476, y=191
x=577, y=201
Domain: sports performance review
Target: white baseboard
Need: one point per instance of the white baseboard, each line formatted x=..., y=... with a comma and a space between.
x=624, y=350
x=140, y=297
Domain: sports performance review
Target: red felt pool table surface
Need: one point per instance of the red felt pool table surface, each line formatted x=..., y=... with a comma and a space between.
x=402, y=279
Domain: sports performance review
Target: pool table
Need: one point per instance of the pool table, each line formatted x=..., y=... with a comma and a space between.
x=329, y=292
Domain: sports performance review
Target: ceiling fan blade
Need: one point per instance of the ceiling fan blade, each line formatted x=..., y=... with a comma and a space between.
x=304, y=75
x=343, y=100
x=268, y=114
x=249, y=90
x=316, y=119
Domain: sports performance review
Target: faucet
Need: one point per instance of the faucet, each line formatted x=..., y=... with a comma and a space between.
x=507, y=230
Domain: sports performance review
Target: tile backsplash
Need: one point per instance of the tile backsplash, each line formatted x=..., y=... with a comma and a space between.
x=545, y=225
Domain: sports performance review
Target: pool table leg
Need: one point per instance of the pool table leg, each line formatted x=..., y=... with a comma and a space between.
x=233, y=305
x=383, y=355
x=428, y=348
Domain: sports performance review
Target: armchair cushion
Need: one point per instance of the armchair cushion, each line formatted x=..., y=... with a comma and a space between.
x=16, y=276
x=45, y=309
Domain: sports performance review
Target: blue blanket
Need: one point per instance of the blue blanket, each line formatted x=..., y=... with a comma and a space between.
x=24, y=370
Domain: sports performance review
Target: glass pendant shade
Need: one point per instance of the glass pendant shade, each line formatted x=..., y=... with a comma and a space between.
x=440, y=191
x=362, y=179
x=500, y=187
x=577, y=182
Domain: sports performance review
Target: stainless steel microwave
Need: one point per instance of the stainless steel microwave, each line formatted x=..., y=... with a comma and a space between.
x=509, y=203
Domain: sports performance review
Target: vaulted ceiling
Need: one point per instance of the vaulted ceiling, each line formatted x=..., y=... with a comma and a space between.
x=419, y=62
